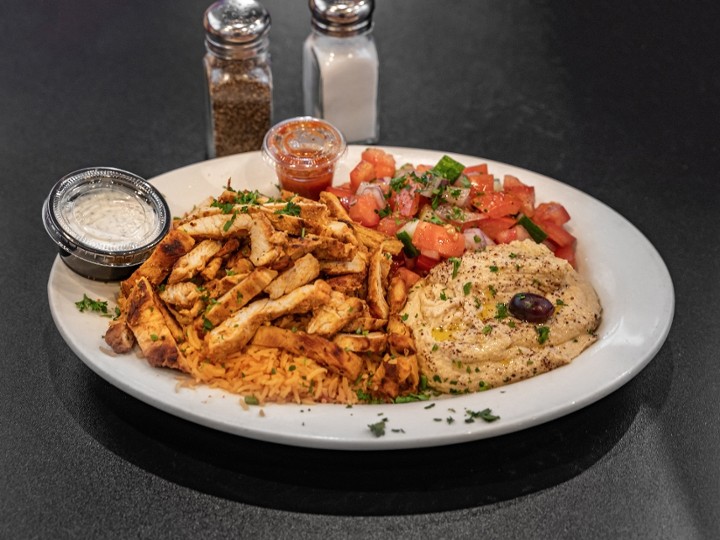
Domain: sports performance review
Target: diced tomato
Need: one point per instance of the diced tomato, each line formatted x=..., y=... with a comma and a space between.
x=363, y=172
x=390, y=225
x=516, y=232
x=345, y=194
x=506, y=236
x=493, y=226
x=481, y=183
x=423, y=264
x=365, y=210
x=523, y=193
x=556, y=233
x=445, y=240
x=408, y=276
x=552, y=212
x=419, y=169
x=406, y=201
x=567, y=253
x=384, y=163
x=496, y=204
x=481, y=168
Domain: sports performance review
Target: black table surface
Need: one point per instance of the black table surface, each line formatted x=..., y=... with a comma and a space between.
x=619, y=99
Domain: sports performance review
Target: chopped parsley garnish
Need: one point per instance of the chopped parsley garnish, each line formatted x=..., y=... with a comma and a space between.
x=290, y=209
x=467, y=287
x=409, y=398
x=378, y=428
x=229, y=222
x=225, y=208
x=501, y=311
x=98, y=306
x=493, y=268
x=396, y=184
x=252, y=400
x=248, y=197
x=543, y=334
x=485, y=414
x=456, y=266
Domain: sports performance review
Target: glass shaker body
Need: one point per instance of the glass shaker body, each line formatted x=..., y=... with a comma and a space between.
x=239, y=101
x=340, y=83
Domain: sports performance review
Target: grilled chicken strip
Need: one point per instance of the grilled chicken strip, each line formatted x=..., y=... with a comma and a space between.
x=330, y=318
x=240, y=295
x=217, y=226
x=235, y=331
x=145, y=318
x=193, y=262
x=321, y=350
x=175, y=244
x=302, y=272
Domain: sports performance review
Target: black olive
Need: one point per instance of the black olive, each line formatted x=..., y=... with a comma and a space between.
x=531, y=307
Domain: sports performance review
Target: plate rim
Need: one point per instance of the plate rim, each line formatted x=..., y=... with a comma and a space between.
x=365, y=441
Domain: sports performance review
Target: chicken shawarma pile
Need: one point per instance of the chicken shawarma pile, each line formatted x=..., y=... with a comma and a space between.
x=277, y=299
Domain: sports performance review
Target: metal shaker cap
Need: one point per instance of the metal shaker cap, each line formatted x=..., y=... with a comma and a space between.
x=342, y=18
x=231, y=24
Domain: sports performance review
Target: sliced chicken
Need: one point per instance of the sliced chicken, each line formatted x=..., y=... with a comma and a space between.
x=302, y=272
x=239, y=296
x=265, y=241
x=175, y=244
x=331, y=317
x=235, y=331
x=119, y=336
x=194, y=261
x=145, y=318
x=335, y=207
x=181, y=295
x=321, y=350
x=374, y=342
x=357, y=265
x=378, y=270
x=217, y=226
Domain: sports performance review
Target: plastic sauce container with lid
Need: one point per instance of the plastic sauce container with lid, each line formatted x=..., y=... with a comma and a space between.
x=105, y=221
x=304, y=151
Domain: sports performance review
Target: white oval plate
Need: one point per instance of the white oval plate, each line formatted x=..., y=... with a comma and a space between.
x=630, y=277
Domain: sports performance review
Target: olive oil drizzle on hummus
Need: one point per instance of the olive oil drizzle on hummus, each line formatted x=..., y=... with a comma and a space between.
x=467, y=339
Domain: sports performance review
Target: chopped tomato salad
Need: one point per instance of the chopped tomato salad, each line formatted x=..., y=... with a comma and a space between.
x=440, y=211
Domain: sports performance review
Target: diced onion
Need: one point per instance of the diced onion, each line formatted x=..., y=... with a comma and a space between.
x=375, y=190
x=476, y=239
x=433, y=254
x=458, y=196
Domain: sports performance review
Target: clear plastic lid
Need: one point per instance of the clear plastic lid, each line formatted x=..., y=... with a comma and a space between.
x=106, y=216
x=303, y=143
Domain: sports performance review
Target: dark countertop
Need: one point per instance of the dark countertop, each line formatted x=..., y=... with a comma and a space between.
x=619, y=99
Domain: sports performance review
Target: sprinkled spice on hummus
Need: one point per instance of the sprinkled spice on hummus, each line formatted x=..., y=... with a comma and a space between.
x=472, y=342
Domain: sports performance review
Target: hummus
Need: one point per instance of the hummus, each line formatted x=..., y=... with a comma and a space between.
x=468, y=340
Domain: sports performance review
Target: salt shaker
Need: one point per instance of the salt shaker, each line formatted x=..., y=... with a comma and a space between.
x=340, y=68
x=238, y=76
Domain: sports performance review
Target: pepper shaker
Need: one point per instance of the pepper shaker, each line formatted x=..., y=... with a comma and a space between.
x=238, y=76
x=340, y=68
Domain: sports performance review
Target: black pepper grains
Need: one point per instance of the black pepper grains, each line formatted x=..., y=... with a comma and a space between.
x=240, y=106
